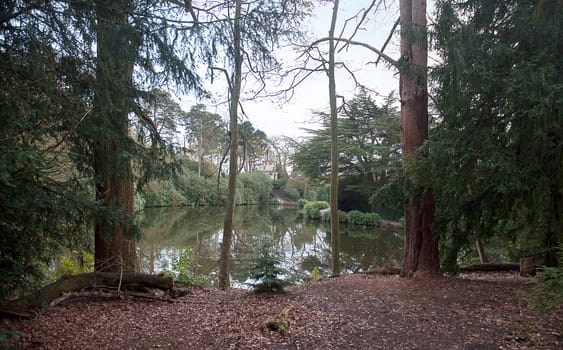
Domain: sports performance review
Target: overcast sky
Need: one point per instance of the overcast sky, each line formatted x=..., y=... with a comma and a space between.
x=289, y=118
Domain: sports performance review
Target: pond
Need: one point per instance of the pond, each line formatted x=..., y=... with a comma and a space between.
x=303, y=245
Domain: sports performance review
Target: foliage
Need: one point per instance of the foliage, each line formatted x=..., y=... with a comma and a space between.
x=495, y=158
x=359, y=218
x=255, y=187
x=547, y=294
x=369, y=148
x=312, y=210
x=342, y=217
x=45, y=205
x=185, y=268
x=267, y=273
x=68, y=266
x=315, y=274
x=9, y=338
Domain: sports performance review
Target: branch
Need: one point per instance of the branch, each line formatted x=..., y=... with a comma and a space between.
x=391, y=61
x=388, y=38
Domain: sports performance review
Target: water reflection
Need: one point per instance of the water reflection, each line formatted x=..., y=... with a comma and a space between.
x=304, y=245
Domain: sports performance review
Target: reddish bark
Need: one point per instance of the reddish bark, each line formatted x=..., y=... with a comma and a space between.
x=421, y=249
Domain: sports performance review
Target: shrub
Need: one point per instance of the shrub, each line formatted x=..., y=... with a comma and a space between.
x=256, y=187
x=185, y=267
x=356, y=217
x=292, y=193
x=371, y=219
x=68, y=266
x=267, y=273
x=547, y=294
x=342, y=217
x=312, y=210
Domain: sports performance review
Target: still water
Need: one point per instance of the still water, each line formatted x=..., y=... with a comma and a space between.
x=302, y=245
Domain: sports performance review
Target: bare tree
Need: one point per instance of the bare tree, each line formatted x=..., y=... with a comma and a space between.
x=334, y=222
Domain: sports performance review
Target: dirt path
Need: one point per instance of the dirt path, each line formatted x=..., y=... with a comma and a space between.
x=352, y=312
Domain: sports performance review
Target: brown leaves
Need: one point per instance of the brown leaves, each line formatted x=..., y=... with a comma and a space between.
x=359, y=312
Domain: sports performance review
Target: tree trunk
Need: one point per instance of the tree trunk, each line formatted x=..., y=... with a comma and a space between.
x=481, y=250
x=420, y=249
x=334, y=222
x=44, y=296
x=224, y=262
x=114, y=241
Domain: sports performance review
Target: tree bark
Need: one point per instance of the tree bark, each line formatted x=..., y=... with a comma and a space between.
x=116, y=47
x=334, y=222
x=420, y=249
x=44, y=296
x=225, y=260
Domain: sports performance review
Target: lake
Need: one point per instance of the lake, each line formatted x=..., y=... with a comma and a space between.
x=303, y=245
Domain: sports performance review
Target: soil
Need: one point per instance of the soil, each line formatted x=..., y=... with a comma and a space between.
x=362, y=311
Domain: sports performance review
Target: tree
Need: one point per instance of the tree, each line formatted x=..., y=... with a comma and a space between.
x=166, y=114
x=283, y=148
x=44, y=96
x=497, y=151
x=421, y=248
x=334, y=220
x=117, y=46
x=369, y=148
x=247, y=38
x=234, y=89
x=206, y=132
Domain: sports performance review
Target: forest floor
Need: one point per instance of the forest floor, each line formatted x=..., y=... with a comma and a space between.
x=362, y=311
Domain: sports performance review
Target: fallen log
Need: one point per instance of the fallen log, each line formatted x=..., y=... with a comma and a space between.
x=384, y=271
x=490, y=267
x=129, y=280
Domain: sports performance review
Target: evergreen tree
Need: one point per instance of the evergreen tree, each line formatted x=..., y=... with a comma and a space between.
x=496, y=156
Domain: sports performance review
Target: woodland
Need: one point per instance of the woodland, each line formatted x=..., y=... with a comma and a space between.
x=469, y=151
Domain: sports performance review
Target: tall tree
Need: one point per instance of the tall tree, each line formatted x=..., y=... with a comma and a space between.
x=497, y=151
x=246, y=39
x=334, y=221
x=234, y=89
x=421, y=247
x=205, y=131
x=369, y=149
x=117, y=45
x=44, y=96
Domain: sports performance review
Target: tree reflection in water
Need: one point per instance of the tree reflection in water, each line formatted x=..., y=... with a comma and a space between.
x=304, y=245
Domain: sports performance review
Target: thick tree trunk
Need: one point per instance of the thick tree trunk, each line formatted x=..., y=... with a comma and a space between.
x=334, y=222
x=114, y=241
x=420, y=249
x=225, y=260
x=44, y=296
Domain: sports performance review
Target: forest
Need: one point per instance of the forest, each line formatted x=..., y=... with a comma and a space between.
x=467, y=151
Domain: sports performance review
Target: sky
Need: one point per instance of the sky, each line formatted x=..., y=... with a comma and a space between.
x=290, y=118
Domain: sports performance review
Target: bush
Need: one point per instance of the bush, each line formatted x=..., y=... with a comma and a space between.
x=372, y=219
x=256, y=187
x=267, y=273
x=342, y=217
x=74, y=265
x=547, y=294
x=185, y=267
x=356, y=217
x=312, y=210
x=292, y=193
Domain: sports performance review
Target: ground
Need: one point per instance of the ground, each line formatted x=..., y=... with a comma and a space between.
x=360, y=311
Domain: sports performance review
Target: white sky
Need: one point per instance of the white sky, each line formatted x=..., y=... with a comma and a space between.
x=289, y=118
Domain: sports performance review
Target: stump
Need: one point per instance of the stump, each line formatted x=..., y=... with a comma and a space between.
x=527, y=267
